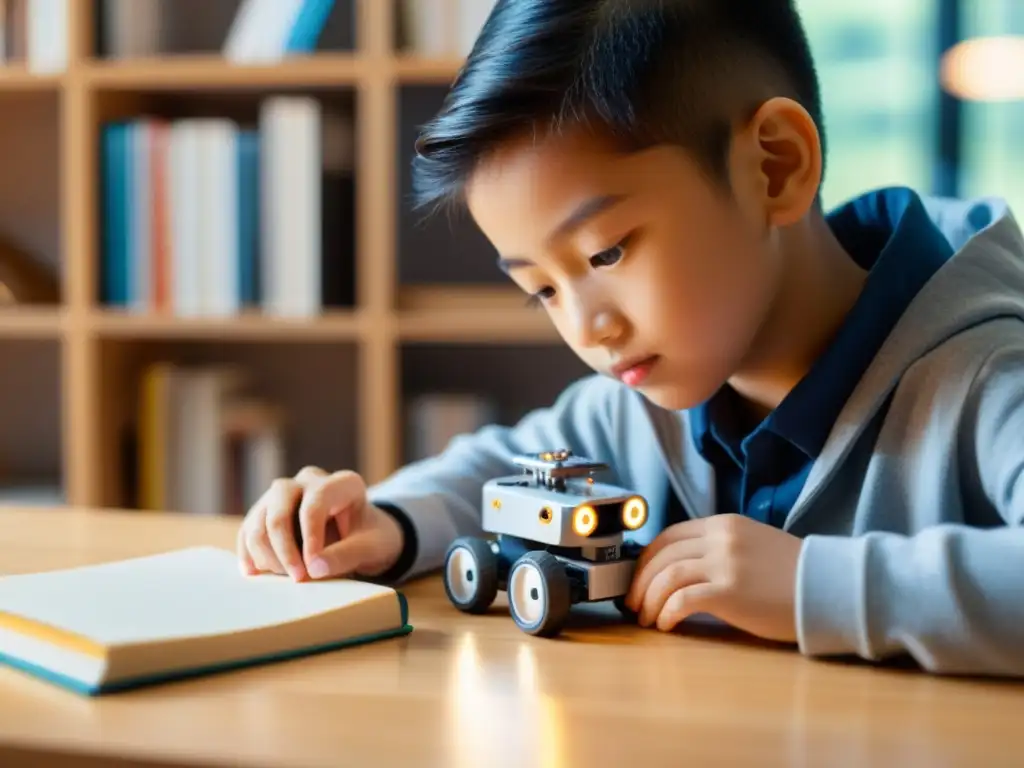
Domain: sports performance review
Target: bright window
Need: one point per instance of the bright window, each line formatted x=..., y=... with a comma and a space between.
x=993, y=133
x=877, y=66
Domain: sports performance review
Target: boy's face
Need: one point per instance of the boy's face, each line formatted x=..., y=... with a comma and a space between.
x=650, y=273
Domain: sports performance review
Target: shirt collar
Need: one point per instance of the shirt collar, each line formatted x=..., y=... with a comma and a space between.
x=889, y=233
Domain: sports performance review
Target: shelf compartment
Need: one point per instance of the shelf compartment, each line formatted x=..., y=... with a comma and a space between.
x=442, y=248
x=30, y=432
x=199, y=174
x=312, y=387
x=488, y=382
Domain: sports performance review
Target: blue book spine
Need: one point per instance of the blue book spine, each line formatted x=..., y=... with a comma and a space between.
x=308, y=25
x=248, y=216
x=116, y=231
x=132, y=200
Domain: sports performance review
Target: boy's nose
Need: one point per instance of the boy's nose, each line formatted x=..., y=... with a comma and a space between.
x=604, y=327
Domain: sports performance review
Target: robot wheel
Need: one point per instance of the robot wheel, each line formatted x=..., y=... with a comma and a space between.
x=539, y=594
x=471, y=574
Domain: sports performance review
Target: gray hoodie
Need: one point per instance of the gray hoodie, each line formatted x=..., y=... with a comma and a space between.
x=911, y=518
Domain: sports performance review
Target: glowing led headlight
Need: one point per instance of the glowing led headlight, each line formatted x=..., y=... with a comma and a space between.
x=634, y=513
x=584, y=520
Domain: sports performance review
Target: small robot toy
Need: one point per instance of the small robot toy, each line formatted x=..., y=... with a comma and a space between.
x=559, y=541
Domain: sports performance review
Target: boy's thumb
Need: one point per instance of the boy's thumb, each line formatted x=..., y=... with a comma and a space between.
x=343, y=558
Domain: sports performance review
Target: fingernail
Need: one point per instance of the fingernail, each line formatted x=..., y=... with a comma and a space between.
x=318, y=568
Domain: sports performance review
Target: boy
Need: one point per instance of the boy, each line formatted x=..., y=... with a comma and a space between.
x=825, y=411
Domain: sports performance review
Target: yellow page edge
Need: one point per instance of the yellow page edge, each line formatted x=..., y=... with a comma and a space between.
x=60, y=638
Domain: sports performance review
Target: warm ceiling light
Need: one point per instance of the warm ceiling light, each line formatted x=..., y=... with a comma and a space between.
x=985, y=69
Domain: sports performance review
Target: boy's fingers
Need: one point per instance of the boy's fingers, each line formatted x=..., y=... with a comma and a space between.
x=310, y=474
x=683, y=549
x=690, y=529
x=281, y=503
x=346, y=557
x=697, y=598
x=337, y=495
x=675, y=576
x=245, y=562
x=260, y=550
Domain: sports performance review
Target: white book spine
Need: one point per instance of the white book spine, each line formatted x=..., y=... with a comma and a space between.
x=291, y=213
x=47, y=36
x=183, y=198
x=261, y=30
x=219, y=231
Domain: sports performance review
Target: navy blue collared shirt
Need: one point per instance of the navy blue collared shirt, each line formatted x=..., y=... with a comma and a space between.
x=760, y=473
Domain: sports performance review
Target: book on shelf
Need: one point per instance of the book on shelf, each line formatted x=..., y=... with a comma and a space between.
x=266, y=31
x=206, y=445
x=210, y=216
x=255, y=31
x=124, y=624
x=442, y=28
x=35, y=33
x=435, y=419
x=28, y=494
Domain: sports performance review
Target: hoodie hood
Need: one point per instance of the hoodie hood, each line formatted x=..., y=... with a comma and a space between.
x=981, y=281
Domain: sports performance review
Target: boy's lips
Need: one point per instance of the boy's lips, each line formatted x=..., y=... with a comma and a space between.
x=633, y=372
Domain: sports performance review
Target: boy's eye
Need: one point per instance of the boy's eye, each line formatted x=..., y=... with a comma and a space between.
x=544, y=293
x=607, y=257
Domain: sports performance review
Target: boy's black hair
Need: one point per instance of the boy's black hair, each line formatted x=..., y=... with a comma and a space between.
x=643, y=71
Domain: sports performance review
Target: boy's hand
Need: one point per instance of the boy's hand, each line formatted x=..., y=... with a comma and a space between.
x=731, y=567
x=318, y=525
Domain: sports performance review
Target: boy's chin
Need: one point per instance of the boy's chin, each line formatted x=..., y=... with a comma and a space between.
x=673, y=398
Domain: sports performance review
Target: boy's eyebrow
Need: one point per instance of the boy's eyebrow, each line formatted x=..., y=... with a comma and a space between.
x=586, y=210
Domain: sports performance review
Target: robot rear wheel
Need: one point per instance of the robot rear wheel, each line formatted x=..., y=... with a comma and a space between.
x=627, y=613
x=471, y=574
x=539, y=594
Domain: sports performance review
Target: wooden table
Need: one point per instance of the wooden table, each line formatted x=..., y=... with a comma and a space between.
x=475, y=692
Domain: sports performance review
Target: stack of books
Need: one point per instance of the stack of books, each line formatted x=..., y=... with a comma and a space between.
x=208, y=217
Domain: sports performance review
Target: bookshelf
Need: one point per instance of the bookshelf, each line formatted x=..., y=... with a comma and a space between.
x=430, y=309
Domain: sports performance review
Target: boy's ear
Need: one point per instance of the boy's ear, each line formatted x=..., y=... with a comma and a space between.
x=786, y=159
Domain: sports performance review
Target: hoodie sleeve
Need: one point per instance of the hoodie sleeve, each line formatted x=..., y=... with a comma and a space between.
x=438, y=499
x=950, y=596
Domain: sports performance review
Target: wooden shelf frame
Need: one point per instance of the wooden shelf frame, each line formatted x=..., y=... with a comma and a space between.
x=385, y=316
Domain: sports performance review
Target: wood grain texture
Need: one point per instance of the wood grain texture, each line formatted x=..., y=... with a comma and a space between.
x=464, y=691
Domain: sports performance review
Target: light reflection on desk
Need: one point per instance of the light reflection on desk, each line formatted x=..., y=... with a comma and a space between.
x=485, y=710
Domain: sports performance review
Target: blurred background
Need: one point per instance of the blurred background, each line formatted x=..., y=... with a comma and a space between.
x=209, y=275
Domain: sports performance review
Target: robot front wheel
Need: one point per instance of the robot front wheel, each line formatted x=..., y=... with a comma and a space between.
x=471, y=574
x=539, y=594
